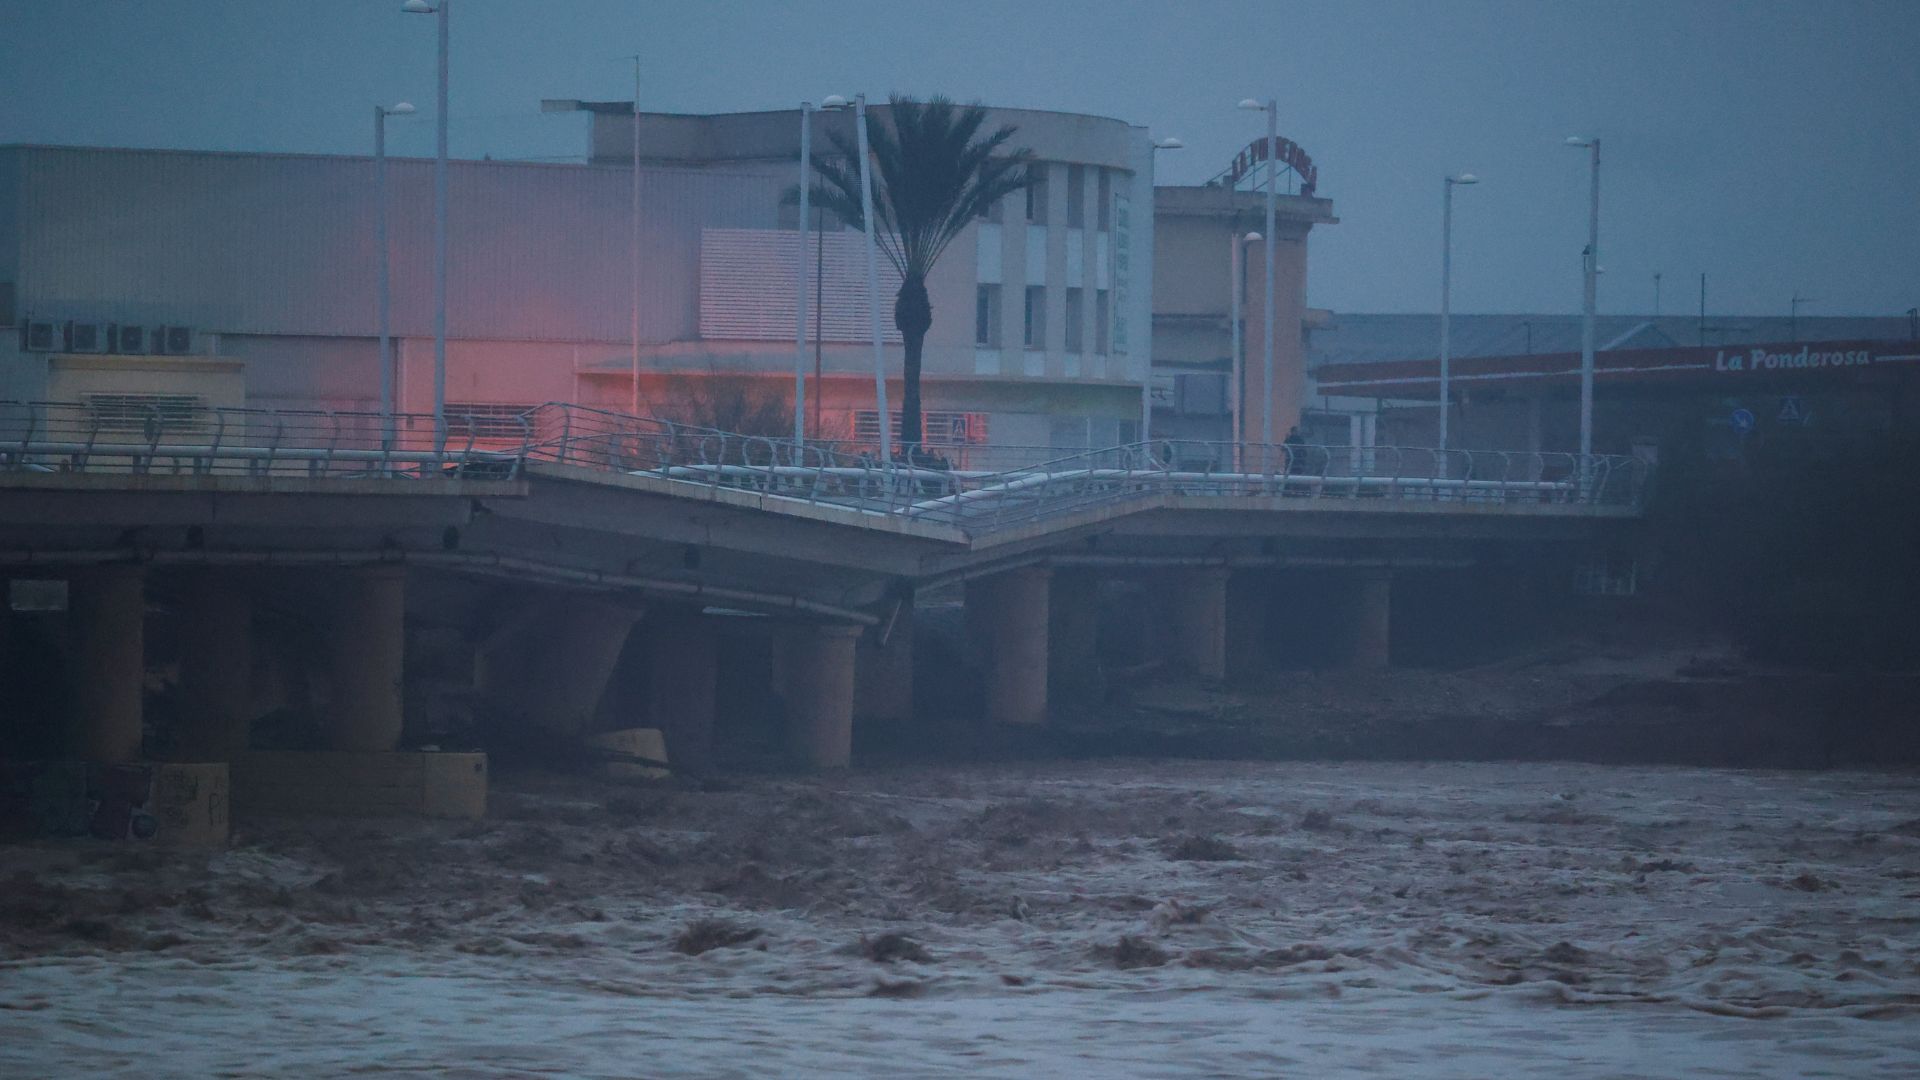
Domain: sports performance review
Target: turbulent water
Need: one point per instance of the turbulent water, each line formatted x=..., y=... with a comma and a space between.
x=1116, y=919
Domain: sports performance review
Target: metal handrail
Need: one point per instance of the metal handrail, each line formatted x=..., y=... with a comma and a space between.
x=50, y=436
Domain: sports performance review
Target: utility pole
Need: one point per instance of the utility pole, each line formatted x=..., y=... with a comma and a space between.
x=1793, y=314
x=634, y=300
x=1656, y=294
x=1703, y=308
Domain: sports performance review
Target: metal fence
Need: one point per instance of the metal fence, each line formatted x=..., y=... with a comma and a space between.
x=145, y=435
x=159, y=438
x=931, y=488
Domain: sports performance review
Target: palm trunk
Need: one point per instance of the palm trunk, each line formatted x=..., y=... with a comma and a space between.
x=912, y=314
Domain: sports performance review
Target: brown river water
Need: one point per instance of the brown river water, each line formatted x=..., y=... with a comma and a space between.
x=1118, y=918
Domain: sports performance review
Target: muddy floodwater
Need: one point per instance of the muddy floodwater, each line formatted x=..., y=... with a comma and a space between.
x=1095, y=919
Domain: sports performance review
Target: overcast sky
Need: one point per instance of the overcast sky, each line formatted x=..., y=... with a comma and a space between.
x=1775, y=146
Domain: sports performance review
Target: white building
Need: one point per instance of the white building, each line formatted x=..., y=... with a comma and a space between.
x=262, y=270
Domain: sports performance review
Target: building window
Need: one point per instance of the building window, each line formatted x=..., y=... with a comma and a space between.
x=477, y=420
x=1103, y=202
x=1037, y=195
x=1076, y=309
x=1036, y=322
x=1076, y=196
x=986, y=316
x=1102, y=319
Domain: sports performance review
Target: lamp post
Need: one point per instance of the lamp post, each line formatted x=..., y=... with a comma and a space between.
x=1237, y=283
x=873, y=282
x=380, y=114
x=1590, y=267
x=1146, y=376
x=1446, y=296
x=1272, y=109
x=830, y=103
x=439, y=11
x=633, y=253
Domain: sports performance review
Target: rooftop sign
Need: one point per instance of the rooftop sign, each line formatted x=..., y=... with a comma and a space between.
x=1286, y=152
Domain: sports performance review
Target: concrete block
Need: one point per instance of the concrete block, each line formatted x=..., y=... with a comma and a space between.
x=168, y=804
x=639, y=742
x=361, y=783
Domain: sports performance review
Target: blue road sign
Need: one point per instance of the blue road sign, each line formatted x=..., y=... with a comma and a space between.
x=1742, y=420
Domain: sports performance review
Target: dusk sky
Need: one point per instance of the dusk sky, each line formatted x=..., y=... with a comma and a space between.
x=1775, y=146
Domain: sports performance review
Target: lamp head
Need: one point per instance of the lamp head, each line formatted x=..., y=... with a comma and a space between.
x=833, y=101
x=1575, y=140
x=1168, y=143
x=1463, y=178
x=402, y=108
x=1252, y=238
x=418, y=7
x=1249, y=103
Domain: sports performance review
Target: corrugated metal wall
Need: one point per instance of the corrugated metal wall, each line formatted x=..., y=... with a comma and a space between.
x=748, y=285
x=244, y=243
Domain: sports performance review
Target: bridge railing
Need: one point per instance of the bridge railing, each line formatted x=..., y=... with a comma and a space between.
x=123, y=434
x=146, y=436
x=1050, y=483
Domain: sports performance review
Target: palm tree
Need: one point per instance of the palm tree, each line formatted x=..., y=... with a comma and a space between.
x=934, y=176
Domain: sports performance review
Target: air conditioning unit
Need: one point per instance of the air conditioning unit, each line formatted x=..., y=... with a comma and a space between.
x=131, y=340
x=40, y=335
x=173, y=340
x=86, y=337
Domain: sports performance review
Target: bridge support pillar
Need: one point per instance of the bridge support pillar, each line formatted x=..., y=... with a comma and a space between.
x=683, y=656
x=1196, y=620
x=1073, y=637
x=106, y=608
x=368, y=640
x=216, y=668
x=1365, y=621
x=817, y=680
x=883, y=673
x=1248, y=650
x=1008, y=612
x=552, y=665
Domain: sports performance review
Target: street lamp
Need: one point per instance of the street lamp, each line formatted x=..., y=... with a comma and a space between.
x=873, y=271
x=1146, y=375
x=1446, y=295
x=380, y=114
x=439, y=11
x=830, y=103
x=1590, y=266
x=1237, y=283
x=1272, y=109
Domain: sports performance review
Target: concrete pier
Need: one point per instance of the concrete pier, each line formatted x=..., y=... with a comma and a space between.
x=367, y=636
x=1196, y=620
x=216, y=668
x=883, y=673
x=1366, y=621
x=817, y=678
x=106, y=611
x=682, y=650
x=1249, y=644
x=1007, y=614
x=1073, y=639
